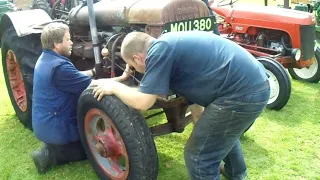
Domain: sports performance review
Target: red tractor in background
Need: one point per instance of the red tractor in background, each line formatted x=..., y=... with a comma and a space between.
x=286, y=35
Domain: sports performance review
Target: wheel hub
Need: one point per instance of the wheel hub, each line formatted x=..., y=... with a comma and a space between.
x=307, y=72
x=274, y=87
x=107, y=145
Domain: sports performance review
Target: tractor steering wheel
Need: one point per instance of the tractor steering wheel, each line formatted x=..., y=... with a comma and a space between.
x=226, y=4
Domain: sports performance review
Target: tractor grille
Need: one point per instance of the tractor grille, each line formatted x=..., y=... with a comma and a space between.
x=307, y=39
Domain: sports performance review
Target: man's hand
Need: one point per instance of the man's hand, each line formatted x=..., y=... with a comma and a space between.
x=127, y=73
x=128, y=95
x=90, y=73
x=102, y=89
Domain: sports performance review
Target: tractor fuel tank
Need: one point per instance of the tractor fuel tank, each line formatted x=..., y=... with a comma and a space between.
x=126, y=12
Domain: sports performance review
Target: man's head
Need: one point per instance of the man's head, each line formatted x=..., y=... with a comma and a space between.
x=56, y=37
x=134, y=50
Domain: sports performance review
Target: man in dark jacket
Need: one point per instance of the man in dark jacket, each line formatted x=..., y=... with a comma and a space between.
x=57, y=87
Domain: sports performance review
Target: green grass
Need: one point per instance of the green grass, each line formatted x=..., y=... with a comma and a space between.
x=281, y=145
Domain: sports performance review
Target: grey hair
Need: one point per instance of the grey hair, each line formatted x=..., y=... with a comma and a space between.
x=53, y=33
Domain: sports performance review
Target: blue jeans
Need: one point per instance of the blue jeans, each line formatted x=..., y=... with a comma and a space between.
x=216, y=135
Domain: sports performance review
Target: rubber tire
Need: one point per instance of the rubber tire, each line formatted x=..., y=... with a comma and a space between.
x=136, y=135
x=27, y=52
x=313, y=79
x=284, y=82
x=41, y=4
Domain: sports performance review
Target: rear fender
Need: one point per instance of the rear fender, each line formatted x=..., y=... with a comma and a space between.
x=25, y=22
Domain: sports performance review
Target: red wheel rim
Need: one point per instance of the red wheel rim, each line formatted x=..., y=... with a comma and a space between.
x=16, y=81
x=106, y=145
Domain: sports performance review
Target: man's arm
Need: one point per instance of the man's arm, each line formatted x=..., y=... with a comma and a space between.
x=89, y=73
x=155, y=81
x=124, y=77
x=67, y=78
x=128, y=95
x=106, y=80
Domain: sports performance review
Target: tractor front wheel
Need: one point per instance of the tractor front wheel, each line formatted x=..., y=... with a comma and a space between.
x=116, y=138
x=280, y=84
x=309, y=74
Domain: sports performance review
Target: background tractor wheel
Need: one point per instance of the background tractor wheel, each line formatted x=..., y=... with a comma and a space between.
x=308, y=74
x=116, y=138
x=280, y=84
x=19, y=57
x=41, y=4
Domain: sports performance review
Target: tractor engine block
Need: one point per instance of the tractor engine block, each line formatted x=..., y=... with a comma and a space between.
x=267, y=41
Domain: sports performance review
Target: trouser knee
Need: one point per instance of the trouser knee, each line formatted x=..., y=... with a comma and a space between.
x=187, y=155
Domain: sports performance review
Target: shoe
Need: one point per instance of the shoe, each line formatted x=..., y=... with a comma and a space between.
x=41, y=160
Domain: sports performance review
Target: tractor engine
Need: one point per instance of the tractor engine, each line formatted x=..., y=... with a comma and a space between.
x=268, y=41
x=114, y=19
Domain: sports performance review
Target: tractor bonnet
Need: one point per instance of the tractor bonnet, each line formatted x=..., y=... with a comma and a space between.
x=128, y=12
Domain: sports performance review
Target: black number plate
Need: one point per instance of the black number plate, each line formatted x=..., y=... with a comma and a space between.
x=198, y=24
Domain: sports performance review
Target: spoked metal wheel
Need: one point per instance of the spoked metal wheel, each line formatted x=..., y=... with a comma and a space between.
x=116, y=138
x=106, y=144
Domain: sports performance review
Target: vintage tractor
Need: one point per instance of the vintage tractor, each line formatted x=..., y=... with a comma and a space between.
x=311, y=6
x=286, y=35
x=117, y=139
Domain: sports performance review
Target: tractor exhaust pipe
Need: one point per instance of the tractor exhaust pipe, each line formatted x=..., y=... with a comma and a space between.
x=94, y=37
x=286, y=4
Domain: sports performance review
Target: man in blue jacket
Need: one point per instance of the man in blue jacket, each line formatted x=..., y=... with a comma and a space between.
x=57, y=87
x=226, y=86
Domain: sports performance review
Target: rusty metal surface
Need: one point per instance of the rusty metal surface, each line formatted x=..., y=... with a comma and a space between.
x=160, y=12
x=107, y=13
x=184, y=9
x=26, y=22
x=154, y=30
x=126, y=12
x=168, y=127
x=83, y=49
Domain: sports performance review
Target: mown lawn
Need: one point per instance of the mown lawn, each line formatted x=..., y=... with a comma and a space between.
x=281, y=145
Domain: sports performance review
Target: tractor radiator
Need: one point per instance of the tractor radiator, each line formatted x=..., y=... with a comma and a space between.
x=307, y=39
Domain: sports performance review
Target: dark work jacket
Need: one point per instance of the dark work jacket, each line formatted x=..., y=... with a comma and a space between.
x=57, y=87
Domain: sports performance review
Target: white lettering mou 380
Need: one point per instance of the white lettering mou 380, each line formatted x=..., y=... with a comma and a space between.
x=195, y=24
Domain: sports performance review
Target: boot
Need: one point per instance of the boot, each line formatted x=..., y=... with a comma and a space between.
x=42, y=160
